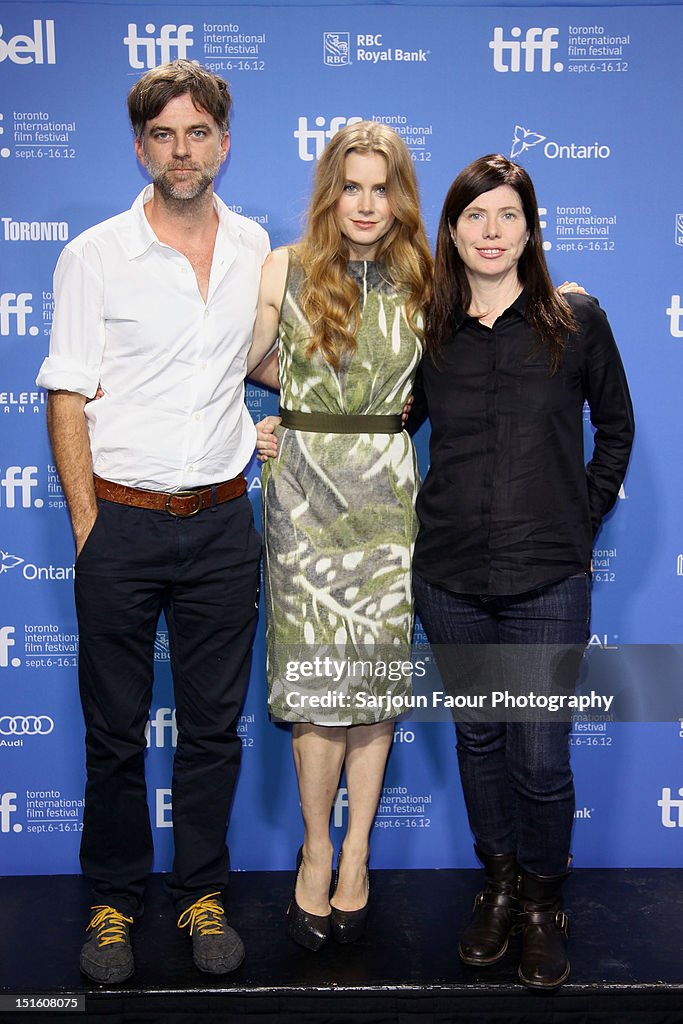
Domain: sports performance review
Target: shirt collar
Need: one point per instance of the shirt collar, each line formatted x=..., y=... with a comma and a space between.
x=141, y=236
x=519, y=307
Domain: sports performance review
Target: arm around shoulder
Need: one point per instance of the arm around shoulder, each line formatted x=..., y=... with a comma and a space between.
x=271, y=294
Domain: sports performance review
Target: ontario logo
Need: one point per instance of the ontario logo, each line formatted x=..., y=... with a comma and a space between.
x=336, y=49
x=8, y=562
x=525, y=139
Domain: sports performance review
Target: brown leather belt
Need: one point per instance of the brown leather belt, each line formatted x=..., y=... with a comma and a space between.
x=176, y=503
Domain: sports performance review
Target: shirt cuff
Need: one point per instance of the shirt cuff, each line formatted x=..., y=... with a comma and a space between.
x=58, y=373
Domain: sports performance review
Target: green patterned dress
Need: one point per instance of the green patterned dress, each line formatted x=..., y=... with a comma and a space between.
x=339, y=520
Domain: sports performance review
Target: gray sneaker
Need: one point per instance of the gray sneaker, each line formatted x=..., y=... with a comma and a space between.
x=107, y=956
x=216, y=947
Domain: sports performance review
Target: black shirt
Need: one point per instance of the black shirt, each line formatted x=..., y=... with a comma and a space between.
x=508, y=504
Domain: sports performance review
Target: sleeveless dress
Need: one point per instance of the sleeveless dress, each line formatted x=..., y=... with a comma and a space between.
x=339, y=520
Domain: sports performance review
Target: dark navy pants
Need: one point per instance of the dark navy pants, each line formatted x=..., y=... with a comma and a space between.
x=203, y=572
x=516, y=776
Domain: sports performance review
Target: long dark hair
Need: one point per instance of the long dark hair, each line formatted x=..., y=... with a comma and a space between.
x=548, y=313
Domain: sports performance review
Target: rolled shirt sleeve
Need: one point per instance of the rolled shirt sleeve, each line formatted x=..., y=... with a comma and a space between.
x=77, y=337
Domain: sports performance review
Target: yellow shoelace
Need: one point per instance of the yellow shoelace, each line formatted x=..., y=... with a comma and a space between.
x=204, y=915
x=112, y=924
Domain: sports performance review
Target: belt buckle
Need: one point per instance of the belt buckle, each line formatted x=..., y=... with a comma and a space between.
x=184, y=494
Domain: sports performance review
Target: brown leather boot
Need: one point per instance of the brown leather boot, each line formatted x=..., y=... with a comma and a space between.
x=495, y=911
x=545, y=929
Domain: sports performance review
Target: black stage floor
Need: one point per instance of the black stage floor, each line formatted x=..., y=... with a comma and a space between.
x=626, y=952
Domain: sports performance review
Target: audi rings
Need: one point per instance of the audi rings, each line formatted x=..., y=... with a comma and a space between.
x=26, y=725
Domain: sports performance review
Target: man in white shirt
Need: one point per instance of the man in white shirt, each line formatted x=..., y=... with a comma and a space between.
x=156, y=307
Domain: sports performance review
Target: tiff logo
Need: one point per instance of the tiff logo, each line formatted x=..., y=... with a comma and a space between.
x=8, y=806
x=6, y=641
x=341, y=802
x=319, y=135
x=13, y=310
x=163, y=722
x=172, y=43
x=674, y=314
x=537, y=40
x=23, y=479
x=668, y=804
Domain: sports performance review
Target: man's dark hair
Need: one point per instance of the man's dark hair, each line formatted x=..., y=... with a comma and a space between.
x=152, y=92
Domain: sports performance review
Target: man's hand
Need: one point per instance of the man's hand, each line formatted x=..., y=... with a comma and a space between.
x=266, y=441
x=567, y=287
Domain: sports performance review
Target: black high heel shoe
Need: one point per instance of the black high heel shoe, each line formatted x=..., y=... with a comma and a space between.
x=349, y=925
x=310, y=930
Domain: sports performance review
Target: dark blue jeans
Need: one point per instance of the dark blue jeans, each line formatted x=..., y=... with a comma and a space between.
x=516, y=776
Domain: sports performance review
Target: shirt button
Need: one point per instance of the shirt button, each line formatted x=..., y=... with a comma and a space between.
x=206, y=313
x=190, y=468
x=197, y=416
x=203, y=366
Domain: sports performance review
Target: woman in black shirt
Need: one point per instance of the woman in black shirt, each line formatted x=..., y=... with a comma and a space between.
x=508, y=513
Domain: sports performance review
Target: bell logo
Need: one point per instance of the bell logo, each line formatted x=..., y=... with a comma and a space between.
x=8, y=806
x=537, y=40
x=670, y=805
x=674, y=314
x=172, y=43
x=39, y=49
x=319, y=135
x=164, y=808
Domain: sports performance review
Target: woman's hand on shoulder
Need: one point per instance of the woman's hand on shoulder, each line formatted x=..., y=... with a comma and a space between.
x=266, y=441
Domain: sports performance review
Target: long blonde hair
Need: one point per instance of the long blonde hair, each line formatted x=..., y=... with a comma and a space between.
x=329, y=298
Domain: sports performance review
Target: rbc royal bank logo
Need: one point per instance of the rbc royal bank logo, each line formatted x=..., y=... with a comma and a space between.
x=147, y=51
x=678, y=236
x=336, y=49
x=318, y=135
x=537, y=43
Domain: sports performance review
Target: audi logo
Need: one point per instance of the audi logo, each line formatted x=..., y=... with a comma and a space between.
x=26, y=725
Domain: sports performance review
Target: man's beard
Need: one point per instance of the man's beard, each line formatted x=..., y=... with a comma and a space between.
x=201, y=180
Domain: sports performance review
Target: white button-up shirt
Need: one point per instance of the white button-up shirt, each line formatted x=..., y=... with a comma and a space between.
x=129, y=316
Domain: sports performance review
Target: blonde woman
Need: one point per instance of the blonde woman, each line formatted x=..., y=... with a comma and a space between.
x=339, y=521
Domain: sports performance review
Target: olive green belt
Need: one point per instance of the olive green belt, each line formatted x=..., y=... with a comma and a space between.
x=330, y=423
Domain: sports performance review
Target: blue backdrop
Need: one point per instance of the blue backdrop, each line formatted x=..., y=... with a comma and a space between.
x=587, y=99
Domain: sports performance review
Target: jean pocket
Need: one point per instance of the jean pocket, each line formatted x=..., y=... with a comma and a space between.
x=95, y=529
